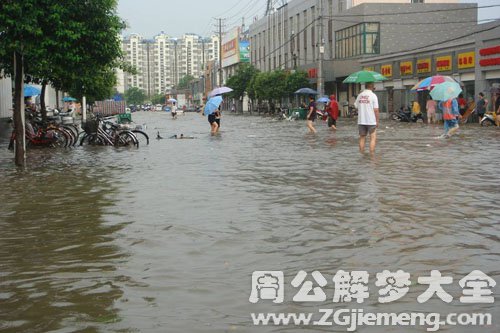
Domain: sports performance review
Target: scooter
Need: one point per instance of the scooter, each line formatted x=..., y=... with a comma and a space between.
x=404, y=114
x=488, y=120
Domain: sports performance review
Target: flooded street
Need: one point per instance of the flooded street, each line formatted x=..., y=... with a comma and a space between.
x=165, y=238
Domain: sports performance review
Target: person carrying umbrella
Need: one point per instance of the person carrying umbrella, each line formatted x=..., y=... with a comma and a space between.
x=368, y=116
x=212, y=110
x=450, y=114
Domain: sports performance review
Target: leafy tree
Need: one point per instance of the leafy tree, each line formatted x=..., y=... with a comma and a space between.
x=295, y=81
x=185, y=81
x=158, y=99
x=73, y=46
x=240, y=81
x=135, y=96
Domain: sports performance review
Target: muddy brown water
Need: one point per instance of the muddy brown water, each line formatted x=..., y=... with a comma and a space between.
x=165, y=238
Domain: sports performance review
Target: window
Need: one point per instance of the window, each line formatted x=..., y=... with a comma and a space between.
x=357, y=40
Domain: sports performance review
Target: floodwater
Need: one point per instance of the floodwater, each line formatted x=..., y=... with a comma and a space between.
x=165, y=238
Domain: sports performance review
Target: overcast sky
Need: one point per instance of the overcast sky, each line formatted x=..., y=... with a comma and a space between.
x=150, y=17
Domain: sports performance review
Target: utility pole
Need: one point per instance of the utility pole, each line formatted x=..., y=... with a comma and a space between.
x=321, y=78
x=220, y=51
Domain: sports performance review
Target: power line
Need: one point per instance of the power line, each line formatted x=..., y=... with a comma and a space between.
x=414, y=12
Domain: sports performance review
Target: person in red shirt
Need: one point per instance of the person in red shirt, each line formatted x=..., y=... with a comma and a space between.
x=462, y=104
x=333, y=112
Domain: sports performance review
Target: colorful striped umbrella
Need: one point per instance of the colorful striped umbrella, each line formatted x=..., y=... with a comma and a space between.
x=430, y=82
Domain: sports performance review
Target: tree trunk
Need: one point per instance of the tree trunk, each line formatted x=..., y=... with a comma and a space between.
x=57, y=99
x=20, y=146
x=42, y=101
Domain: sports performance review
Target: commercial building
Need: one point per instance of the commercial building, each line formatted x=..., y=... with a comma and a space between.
x=474, y=61
x=162, y=61
x=341, y=36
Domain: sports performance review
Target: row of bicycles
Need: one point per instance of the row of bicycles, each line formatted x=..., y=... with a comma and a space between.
x=103, y=131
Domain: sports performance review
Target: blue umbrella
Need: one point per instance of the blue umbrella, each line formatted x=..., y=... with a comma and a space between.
x=30, y=90
x=212, y=105
x=307, y=91
x=69, y=99
x=323, y=99
x=446, y=90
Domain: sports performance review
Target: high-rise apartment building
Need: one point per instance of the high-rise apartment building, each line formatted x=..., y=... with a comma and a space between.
x=163, y=61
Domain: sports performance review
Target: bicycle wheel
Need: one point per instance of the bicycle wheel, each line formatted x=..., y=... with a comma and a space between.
x=142, y=137
x=73, y=131
x=69, y=135
x=59, y=138
x=126, y=139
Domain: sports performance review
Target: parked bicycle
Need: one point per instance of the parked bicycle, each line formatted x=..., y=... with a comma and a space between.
x=103, y=132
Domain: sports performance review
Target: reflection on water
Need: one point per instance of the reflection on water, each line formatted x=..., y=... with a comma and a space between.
x=165, y=238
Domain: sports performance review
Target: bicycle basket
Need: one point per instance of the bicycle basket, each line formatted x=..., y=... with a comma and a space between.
x=91, y=126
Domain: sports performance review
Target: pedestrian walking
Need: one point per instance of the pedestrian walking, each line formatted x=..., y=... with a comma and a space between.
x=333, y=112
x=481, y=105
x=174, y=111
x=311, y=115
x=430, y=106
x=450, y=114
x=368, y=116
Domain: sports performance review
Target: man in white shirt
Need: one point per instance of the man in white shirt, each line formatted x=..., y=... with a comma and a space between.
x=368, y=113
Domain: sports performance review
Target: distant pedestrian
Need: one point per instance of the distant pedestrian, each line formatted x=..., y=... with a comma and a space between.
x=233, y=108
x=462, y=104
x=481, y=105
x=368, y=116
x=430, y=106
x=311, y=115
x=333, y=112
x=174, y=111
x=450, y=114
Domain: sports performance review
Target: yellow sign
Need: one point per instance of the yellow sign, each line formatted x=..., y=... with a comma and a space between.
x=466, y=60
x=406, y=68
x=386, y=70
x=443, y=63
x=424, y=66
x=370, y=68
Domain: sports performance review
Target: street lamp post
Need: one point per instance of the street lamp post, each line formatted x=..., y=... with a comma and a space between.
x=321, y=79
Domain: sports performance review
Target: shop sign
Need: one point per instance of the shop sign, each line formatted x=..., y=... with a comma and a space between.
x=406, y=68
x=443, y=63
x=489, y=62
x=386, y=70
x=369, y=68
x=312, y=73
x=466, y=60
x=489, y=51
x=424, y=65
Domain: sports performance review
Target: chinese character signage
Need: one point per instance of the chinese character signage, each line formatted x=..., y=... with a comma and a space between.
x=443, y=63
x=424, y=66
x=466, y=60
x=386, y=70
x=406, y=68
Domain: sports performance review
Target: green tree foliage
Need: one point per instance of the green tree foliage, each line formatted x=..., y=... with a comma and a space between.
x=272, y=86
x=240, y=81
x=295, y=81
x=185, y=81
x=158, y=99
x=73, y=45
x=135, y=96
